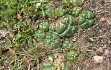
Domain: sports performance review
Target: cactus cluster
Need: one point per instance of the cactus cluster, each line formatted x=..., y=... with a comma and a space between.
x=53, y=34
x=58, y=61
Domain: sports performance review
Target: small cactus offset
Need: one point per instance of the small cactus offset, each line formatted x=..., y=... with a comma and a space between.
x=72, y=55
x=68, y=44
x=44, y=26
x=79, y=2
x=39, y=35
x=75, y=12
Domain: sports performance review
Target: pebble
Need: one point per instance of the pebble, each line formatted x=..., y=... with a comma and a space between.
x=98, y=59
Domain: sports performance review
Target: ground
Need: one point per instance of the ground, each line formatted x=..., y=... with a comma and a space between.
x=97, y=39
x=94, y=41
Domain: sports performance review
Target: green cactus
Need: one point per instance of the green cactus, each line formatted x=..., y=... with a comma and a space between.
x=53, y=40
x=68, y=27
x=52, y=27
x=72, y=55
x=59, y=12
x=68, y=44
x=44, y=26
x=86, y=19
x=47, y=66
x=75, y=12
x=79, y=2
x=49, y=11
x=39, y=35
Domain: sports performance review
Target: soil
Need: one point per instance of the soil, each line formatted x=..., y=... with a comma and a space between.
x=97, y=39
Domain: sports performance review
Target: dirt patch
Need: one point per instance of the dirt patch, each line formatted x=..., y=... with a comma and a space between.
x=97, y=39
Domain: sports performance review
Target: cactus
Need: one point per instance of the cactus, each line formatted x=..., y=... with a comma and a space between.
x=86, y=19
x=72, y=55
x=68, y=44
x=44, y=26
x=79, y=2
x=49, y=11
x=52, y=27
x=75, y=12
x=39, y=35
x=68, y=27
x=53, y=40
x=59, y=12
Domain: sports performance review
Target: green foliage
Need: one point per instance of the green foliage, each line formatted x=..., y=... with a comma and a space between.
x=86, y=19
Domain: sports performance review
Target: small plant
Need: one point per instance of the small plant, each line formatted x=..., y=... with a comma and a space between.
x=52, y=27
x=68, y=27
x=39, y=35
x=60, y=11
x=79, y=2
x=44, y=26
x=75, y=12
x=72, y=55
x=53, y=40
x=86, y=19
x=68, y=44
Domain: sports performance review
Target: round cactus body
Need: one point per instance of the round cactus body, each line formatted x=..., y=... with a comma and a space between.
x=44, y=26
x=59, y=12
x=39, y=35
x=49, y=11
x=75, y=12
x=68, y=44
x=79, y=2
x=52, y=27
x=53, y=40
x=86, y=19
x=67, y=27
x=71, y=55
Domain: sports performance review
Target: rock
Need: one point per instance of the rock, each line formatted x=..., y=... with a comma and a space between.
x=106, y=52
x=98, y=59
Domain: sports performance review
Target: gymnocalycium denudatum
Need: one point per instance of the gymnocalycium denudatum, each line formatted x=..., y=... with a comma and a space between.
x=86, y=19
x=55, y=34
